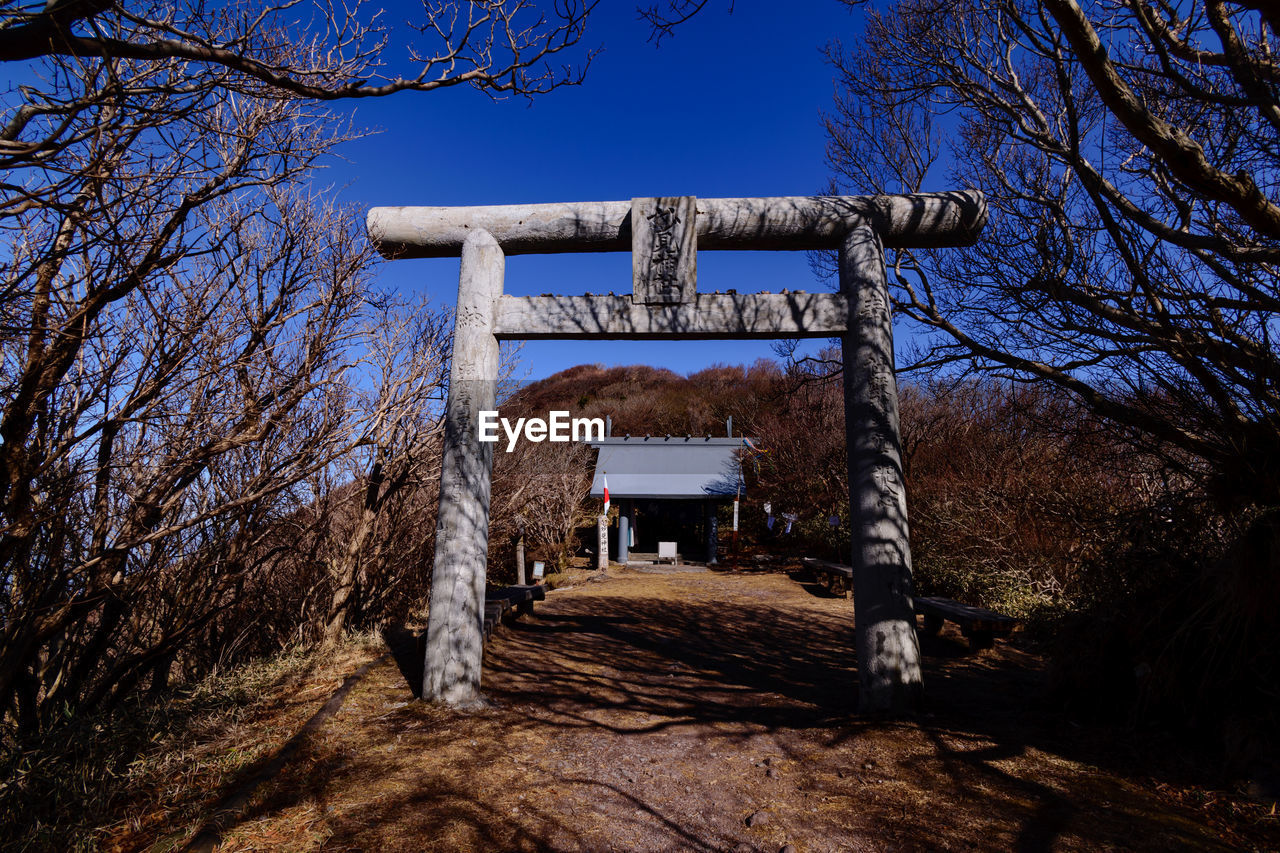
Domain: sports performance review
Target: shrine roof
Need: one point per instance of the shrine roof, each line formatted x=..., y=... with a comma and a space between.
x=669, y=467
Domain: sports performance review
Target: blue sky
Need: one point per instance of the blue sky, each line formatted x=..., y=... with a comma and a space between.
x=728, y=107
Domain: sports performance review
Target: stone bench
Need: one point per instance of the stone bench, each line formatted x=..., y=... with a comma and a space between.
x=980, y=626
x=837, y=578
x=509, y=603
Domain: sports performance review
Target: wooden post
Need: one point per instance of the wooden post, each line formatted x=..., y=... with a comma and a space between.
x=455, y=639
x=624, y=534
x=520, y=574
x=602, y=541
x=712, y=543
x=888, y=651
x=733, y=547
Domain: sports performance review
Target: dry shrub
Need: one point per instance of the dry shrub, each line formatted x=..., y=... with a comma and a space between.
x=1176, y=628
x=1156, y=601
x=1012, y=491
x=117, y=772
x=541, y=488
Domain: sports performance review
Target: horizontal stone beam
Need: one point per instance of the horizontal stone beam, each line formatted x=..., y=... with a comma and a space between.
x=724, y=316
x=924, y=220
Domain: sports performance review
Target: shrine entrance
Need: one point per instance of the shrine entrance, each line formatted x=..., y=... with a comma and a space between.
x=664, y=236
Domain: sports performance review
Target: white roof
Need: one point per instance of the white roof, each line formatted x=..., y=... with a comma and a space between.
x=676, y=467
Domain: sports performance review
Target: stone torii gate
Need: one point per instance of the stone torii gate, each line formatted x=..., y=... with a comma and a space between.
x=664, y=235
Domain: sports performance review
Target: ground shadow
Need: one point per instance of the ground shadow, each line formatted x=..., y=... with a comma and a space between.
x=663, y=721
x=408, y=648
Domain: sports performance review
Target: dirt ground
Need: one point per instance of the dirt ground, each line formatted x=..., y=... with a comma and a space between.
x=711, y=712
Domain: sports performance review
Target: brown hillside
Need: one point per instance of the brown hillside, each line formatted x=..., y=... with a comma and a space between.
x=643, y=399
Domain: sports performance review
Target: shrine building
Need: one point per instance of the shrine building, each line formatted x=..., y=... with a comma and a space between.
x=667, y=489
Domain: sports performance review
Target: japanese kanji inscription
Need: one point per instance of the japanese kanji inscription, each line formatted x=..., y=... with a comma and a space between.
x=664, y=262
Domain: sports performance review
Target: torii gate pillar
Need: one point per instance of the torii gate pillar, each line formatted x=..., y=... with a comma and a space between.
x=888, y=652
x=667, y=232
x=455, y=623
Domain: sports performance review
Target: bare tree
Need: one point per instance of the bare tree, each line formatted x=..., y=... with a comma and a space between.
x=664, y=18
x=318, y=50
x=179, y=319
x=547, y=485
x=1015, y=489
x=397, y=426
x=1130, y=155
x=1130, y=160
x=185, y=418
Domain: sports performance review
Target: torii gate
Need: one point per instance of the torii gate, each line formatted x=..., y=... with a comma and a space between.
x=664, y=235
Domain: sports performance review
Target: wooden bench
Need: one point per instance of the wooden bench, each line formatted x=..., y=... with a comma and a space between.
x=837, y=578
x=504, y=605
x=978, y=625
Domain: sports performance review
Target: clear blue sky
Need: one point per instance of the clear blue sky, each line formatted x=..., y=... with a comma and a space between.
x=728, y=107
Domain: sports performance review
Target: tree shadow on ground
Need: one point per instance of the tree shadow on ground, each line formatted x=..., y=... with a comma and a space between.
x=652, y=722
x=408, y=649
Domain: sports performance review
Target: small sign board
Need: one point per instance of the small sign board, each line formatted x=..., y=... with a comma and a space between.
x=539, y=569
x=664, y=245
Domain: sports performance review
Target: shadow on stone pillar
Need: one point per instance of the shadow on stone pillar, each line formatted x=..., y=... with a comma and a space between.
x=888, y=651
x=455, y=638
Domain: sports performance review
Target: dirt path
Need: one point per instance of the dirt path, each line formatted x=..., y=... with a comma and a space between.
x=707, y=712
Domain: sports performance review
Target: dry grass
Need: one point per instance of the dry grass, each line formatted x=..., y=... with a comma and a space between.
x=659, y=712
x=105, y=784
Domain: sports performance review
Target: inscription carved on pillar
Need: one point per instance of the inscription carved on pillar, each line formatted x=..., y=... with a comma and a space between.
x=602, y=541
x=664, y=260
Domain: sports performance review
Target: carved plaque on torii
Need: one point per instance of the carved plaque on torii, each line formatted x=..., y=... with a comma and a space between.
x=664, y=246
